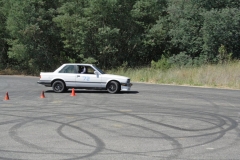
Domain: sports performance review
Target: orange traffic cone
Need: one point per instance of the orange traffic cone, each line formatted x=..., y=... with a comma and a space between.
x=42, y=95
x=6, y=97
x=73, y=92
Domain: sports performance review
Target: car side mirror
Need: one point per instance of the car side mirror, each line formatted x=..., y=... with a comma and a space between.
x=96, y=73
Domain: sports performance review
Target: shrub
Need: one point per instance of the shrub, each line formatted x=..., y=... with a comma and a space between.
x=223, y=56
x=181, y=60
x=162, y=63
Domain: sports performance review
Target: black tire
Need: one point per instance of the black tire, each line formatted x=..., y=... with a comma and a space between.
x=58, y=86
x=66, y=89
x=113, y=87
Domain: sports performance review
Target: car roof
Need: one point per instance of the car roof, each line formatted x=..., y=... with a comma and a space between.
x=78, y=64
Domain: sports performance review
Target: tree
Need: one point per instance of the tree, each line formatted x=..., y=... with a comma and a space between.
x=216, y=4
x=145, y=14
x=35, y=40
x=109, y=32
x=221, y=28
x=3, y=36
x=186, y=27
x=40, y=34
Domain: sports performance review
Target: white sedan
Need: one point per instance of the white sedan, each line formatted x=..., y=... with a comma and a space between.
x=83, y=76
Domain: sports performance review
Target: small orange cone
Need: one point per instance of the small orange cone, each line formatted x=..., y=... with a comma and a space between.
x=6, y=97
x=42, y=95
x=73, y=92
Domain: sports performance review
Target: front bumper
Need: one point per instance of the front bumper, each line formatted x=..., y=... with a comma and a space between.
x=45, y=83
x=126, y=86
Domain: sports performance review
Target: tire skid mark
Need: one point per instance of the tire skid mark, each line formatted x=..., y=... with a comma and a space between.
x=198, y=117
x=166, y=137
x=233, y=124
x=100, y=145
x=59, y=131
x=187, y=116
x=9, y=122
x=235, y=142
x=13, y=134
x=173, y=141
x=175, y=144
x=220, y=119
x=154, y=122
x=219, y=125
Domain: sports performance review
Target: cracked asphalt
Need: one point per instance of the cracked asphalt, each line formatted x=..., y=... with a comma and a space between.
x=151, y=122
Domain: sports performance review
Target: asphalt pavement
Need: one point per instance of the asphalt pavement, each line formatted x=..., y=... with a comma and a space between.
x=151, y=122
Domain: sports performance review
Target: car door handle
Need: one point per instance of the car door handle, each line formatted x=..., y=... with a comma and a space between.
x=78, y=75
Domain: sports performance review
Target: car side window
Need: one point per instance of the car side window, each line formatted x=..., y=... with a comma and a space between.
x=82, y=69
x=85, y=70
x=90, y=70
x=68, y=69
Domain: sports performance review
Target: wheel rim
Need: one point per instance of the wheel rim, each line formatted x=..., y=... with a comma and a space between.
x=58, y=87
x=112, y=87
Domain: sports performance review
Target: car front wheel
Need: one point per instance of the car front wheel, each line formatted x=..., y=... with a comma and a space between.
x=113, y=87
x=58, y=86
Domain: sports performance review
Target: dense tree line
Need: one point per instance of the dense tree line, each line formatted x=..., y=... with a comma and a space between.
x=38, y=35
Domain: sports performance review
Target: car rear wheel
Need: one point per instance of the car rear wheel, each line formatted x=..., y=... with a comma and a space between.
x=113, y=87
x=58, y=86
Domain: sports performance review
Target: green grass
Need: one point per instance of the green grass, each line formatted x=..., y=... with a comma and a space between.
x=218, y=76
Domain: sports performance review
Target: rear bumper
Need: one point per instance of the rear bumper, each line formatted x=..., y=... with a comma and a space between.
x=45, y=83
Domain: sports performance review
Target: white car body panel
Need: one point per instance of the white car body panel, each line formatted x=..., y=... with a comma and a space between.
x=93, y=78
x=84, y=80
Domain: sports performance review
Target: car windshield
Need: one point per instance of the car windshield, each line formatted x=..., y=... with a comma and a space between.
x=99, y=70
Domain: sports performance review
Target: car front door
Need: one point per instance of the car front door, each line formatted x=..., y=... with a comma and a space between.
x=88, y=79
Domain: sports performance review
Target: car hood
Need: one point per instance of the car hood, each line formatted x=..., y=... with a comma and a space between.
x=115, y=76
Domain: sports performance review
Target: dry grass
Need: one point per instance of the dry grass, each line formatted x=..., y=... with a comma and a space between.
x=9, y=72
x=219, y=76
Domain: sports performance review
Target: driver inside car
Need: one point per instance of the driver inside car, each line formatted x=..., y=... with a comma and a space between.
x=82, y=70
